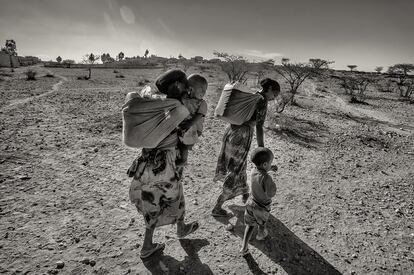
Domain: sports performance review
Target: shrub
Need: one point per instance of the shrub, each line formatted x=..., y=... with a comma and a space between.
x=116, y=71
x=49, y=75
x=120, y=76
x=30, y=74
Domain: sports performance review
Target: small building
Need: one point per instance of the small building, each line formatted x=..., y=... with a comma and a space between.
x=197, y=59
x=214, y=60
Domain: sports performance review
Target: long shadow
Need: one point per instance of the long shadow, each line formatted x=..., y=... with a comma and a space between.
x=283, y=247
x=165, y=264
x=374, y=121
x=305, y=133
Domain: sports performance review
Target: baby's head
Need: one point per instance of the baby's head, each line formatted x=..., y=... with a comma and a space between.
x=262, y=157
x=198, y=86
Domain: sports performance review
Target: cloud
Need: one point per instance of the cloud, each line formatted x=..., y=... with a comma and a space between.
x=127, y=15
x=260, y=55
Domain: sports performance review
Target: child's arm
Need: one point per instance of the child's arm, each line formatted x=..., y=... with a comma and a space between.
x=188, y=124
x=270, y=187
x=201, y=113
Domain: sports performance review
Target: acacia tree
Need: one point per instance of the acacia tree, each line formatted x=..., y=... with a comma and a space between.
x=320, y=63
x=261, y=68
x=235, y=66
x=405, y=82
x=296, y=73
x=355, y=86
x=59, y=59
x=379, y=69
x=90, y=59
x=352, y=67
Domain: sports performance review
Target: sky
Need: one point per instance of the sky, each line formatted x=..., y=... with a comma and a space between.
x=367, y=33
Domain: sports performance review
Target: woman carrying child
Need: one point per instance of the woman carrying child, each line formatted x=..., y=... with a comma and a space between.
x=232, y=161
x=156, y=188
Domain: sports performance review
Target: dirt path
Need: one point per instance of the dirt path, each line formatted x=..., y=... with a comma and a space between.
x=344, y=201
x=16, y=102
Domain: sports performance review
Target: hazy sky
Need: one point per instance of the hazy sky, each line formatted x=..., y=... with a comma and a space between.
x=367, y=33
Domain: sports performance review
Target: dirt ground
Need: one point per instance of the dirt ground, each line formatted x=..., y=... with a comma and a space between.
x=345, y=199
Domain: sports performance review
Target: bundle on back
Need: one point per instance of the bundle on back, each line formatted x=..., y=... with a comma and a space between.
x=147, y=120
x=237, y=103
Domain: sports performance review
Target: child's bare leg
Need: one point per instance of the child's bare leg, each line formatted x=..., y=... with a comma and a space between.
x=248, y=232
x=148, y=244
x=218, y=208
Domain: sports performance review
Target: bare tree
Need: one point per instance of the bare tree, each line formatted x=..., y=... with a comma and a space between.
x=355, y=86
x=59, y=59
x=261, y=68
x=352, y=67
x=379, y=69
x=90, y=59
x=405, y=82
x=235, y=66
x=320, y=63
x=296, y=73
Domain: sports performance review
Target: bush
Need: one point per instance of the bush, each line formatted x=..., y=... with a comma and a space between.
x=116, y=71
x=120, y=76
x=49, y=75
x=30, y=74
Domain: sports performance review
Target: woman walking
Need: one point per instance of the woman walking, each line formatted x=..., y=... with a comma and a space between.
x=156, y=188
x=232, y=161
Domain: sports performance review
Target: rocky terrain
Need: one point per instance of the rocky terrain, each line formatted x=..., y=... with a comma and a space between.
x=345, y=199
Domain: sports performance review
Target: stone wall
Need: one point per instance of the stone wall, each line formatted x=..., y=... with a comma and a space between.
x=4, y=59
x=17, y=61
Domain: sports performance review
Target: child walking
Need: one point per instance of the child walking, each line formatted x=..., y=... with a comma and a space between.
x=262, y=190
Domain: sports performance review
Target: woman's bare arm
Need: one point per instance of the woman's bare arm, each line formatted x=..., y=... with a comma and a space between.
x=259, y=135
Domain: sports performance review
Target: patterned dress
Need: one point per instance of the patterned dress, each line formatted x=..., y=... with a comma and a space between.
x=232, y=161
x=156, y=188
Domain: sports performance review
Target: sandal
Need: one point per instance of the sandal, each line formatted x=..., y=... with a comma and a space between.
x=193, y=227
x=156, y=248
x=219, y=213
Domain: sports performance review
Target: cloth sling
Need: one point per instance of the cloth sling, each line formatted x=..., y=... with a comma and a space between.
x=237, y=104
x=147, y=120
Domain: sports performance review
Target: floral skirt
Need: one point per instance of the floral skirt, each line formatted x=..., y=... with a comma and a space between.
x=232, y=161
x=156, y=189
